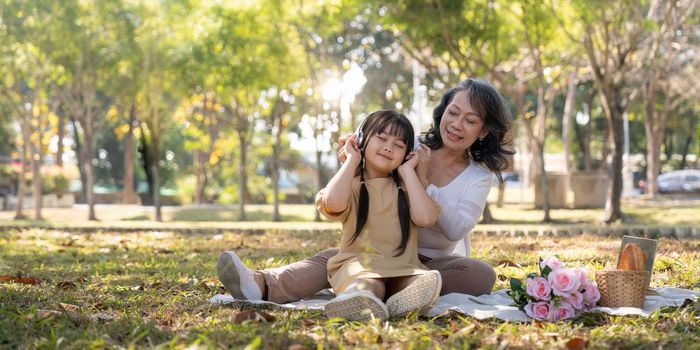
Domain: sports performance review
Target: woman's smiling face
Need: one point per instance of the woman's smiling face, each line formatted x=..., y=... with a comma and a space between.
x=460, y=125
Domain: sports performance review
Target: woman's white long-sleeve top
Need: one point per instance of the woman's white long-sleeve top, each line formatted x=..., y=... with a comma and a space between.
x=462, y=202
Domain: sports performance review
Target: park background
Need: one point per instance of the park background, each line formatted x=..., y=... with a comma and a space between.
x=152, y=135
x=241, y=102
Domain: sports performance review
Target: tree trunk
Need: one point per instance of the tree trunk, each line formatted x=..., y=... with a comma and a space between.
x=319, y=174
x=60, y=134
x=144, y=149
x=652, y=135
x=89, y=149
x=668, y=144
x=21, y=181
x=486, y=216
x=129, y=195
x=276, y=149
x=544, y=184
x=614, y=112
x=199, y=177
x=89, y=175
x=686, y=150
x=606, y=149
x=242, y=175
x=587, y=159
x=80, y=159
x=156, y=190
x=501, y=194
x=566, y=138
x=36, y=182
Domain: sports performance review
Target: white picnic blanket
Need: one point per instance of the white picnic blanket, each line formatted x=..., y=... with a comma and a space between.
x=497, y=304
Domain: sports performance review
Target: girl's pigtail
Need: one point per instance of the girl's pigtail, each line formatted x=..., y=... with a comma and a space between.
x=363, y=207
x=404, y=215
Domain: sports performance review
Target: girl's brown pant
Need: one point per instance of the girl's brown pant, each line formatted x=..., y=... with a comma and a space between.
x=305, y=278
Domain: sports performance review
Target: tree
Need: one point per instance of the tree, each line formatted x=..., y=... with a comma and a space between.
x=26, y=86
x=612, y=34
x=86, y=59
x=156, y=36
x=663, y=59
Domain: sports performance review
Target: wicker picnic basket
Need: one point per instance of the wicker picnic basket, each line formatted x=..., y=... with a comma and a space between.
x=621, y=288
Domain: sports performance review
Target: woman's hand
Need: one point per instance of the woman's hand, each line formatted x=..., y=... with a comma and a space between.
x=419, y=160
x=424, y=166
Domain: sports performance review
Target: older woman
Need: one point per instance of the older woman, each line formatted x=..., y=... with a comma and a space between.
x=468, y=148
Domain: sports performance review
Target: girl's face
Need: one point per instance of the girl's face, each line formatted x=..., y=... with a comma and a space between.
x=460, y=125
x=384, y=153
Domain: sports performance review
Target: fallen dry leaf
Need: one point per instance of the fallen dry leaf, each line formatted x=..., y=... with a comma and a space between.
x=71, y=310
x=19, y=279
x=163, y=251
x=576, y=343
x=65, y=285
x=465, y=331
x=297, y=347
x=257, y=316
x=506, y=262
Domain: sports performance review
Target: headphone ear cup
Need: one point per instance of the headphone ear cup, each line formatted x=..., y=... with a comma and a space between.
x=360, y=140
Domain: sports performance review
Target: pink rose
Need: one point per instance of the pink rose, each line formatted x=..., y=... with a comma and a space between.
x=539, y=288
x=538, y=310
x=591, y=294
x=582, y=274
x=563, y=312
x=575, y=299
x=552, y=262
x=564, y=281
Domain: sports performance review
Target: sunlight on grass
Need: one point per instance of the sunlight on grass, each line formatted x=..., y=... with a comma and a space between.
x=152, y=288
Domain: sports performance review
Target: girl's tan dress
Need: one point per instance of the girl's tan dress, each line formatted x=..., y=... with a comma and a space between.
x=371, y=255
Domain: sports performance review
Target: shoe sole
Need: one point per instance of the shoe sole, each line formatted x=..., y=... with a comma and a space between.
x=232, y=280
x=419, y=296
x=356, y=308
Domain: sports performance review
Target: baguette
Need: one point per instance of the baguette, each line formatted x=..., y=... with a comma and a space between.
x=632, y=258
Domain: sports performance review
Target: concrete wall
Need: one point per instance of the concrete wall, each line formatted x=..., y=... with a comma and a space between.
x=588, y=190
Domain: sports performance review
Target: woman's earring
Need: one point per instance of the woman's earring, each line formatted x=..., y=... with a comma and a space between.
x=476, y=153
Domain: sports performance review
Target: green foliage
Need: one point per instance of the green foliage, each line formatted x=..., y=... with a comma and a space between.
x=164, y=58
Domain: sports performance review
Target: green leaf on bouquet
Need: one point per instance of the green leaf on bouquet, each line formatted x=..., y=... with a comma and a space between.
x=546, y=271
x=532, y=275
x=516, y=284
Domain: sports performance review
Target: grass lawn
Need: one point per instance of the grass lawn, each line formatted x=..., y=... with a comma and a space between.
x=666, y=212
x=151, y=289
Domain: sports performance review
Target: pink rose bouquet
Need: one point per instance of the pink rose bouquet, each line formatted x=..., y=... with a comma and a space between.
x=557, y=293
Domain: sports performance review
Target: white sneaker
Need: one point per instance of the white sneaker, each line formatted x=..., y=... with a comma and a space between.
x=420, y=295
x=356, y=305
x=237, y=278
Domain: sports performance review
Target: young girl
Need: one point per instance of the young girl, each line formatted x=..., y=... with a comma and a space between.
x=378, y=250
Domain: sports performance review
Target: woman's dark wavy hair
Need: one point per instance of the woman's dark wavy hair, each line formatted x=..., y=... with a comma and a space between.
x=495, y=149
x=396, y=124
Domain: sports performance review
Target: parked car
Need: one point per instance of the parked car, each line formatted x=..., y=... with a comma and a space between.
x=687, y=180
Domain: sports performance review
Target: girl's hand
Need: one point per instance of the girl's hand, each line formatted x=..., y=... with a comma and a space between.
x=351, y=150
x=341, y=146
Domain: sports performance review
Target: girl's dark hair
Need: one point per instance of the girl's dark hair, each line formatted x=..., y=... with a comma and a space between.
x=396, y=124
x=494, y=149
